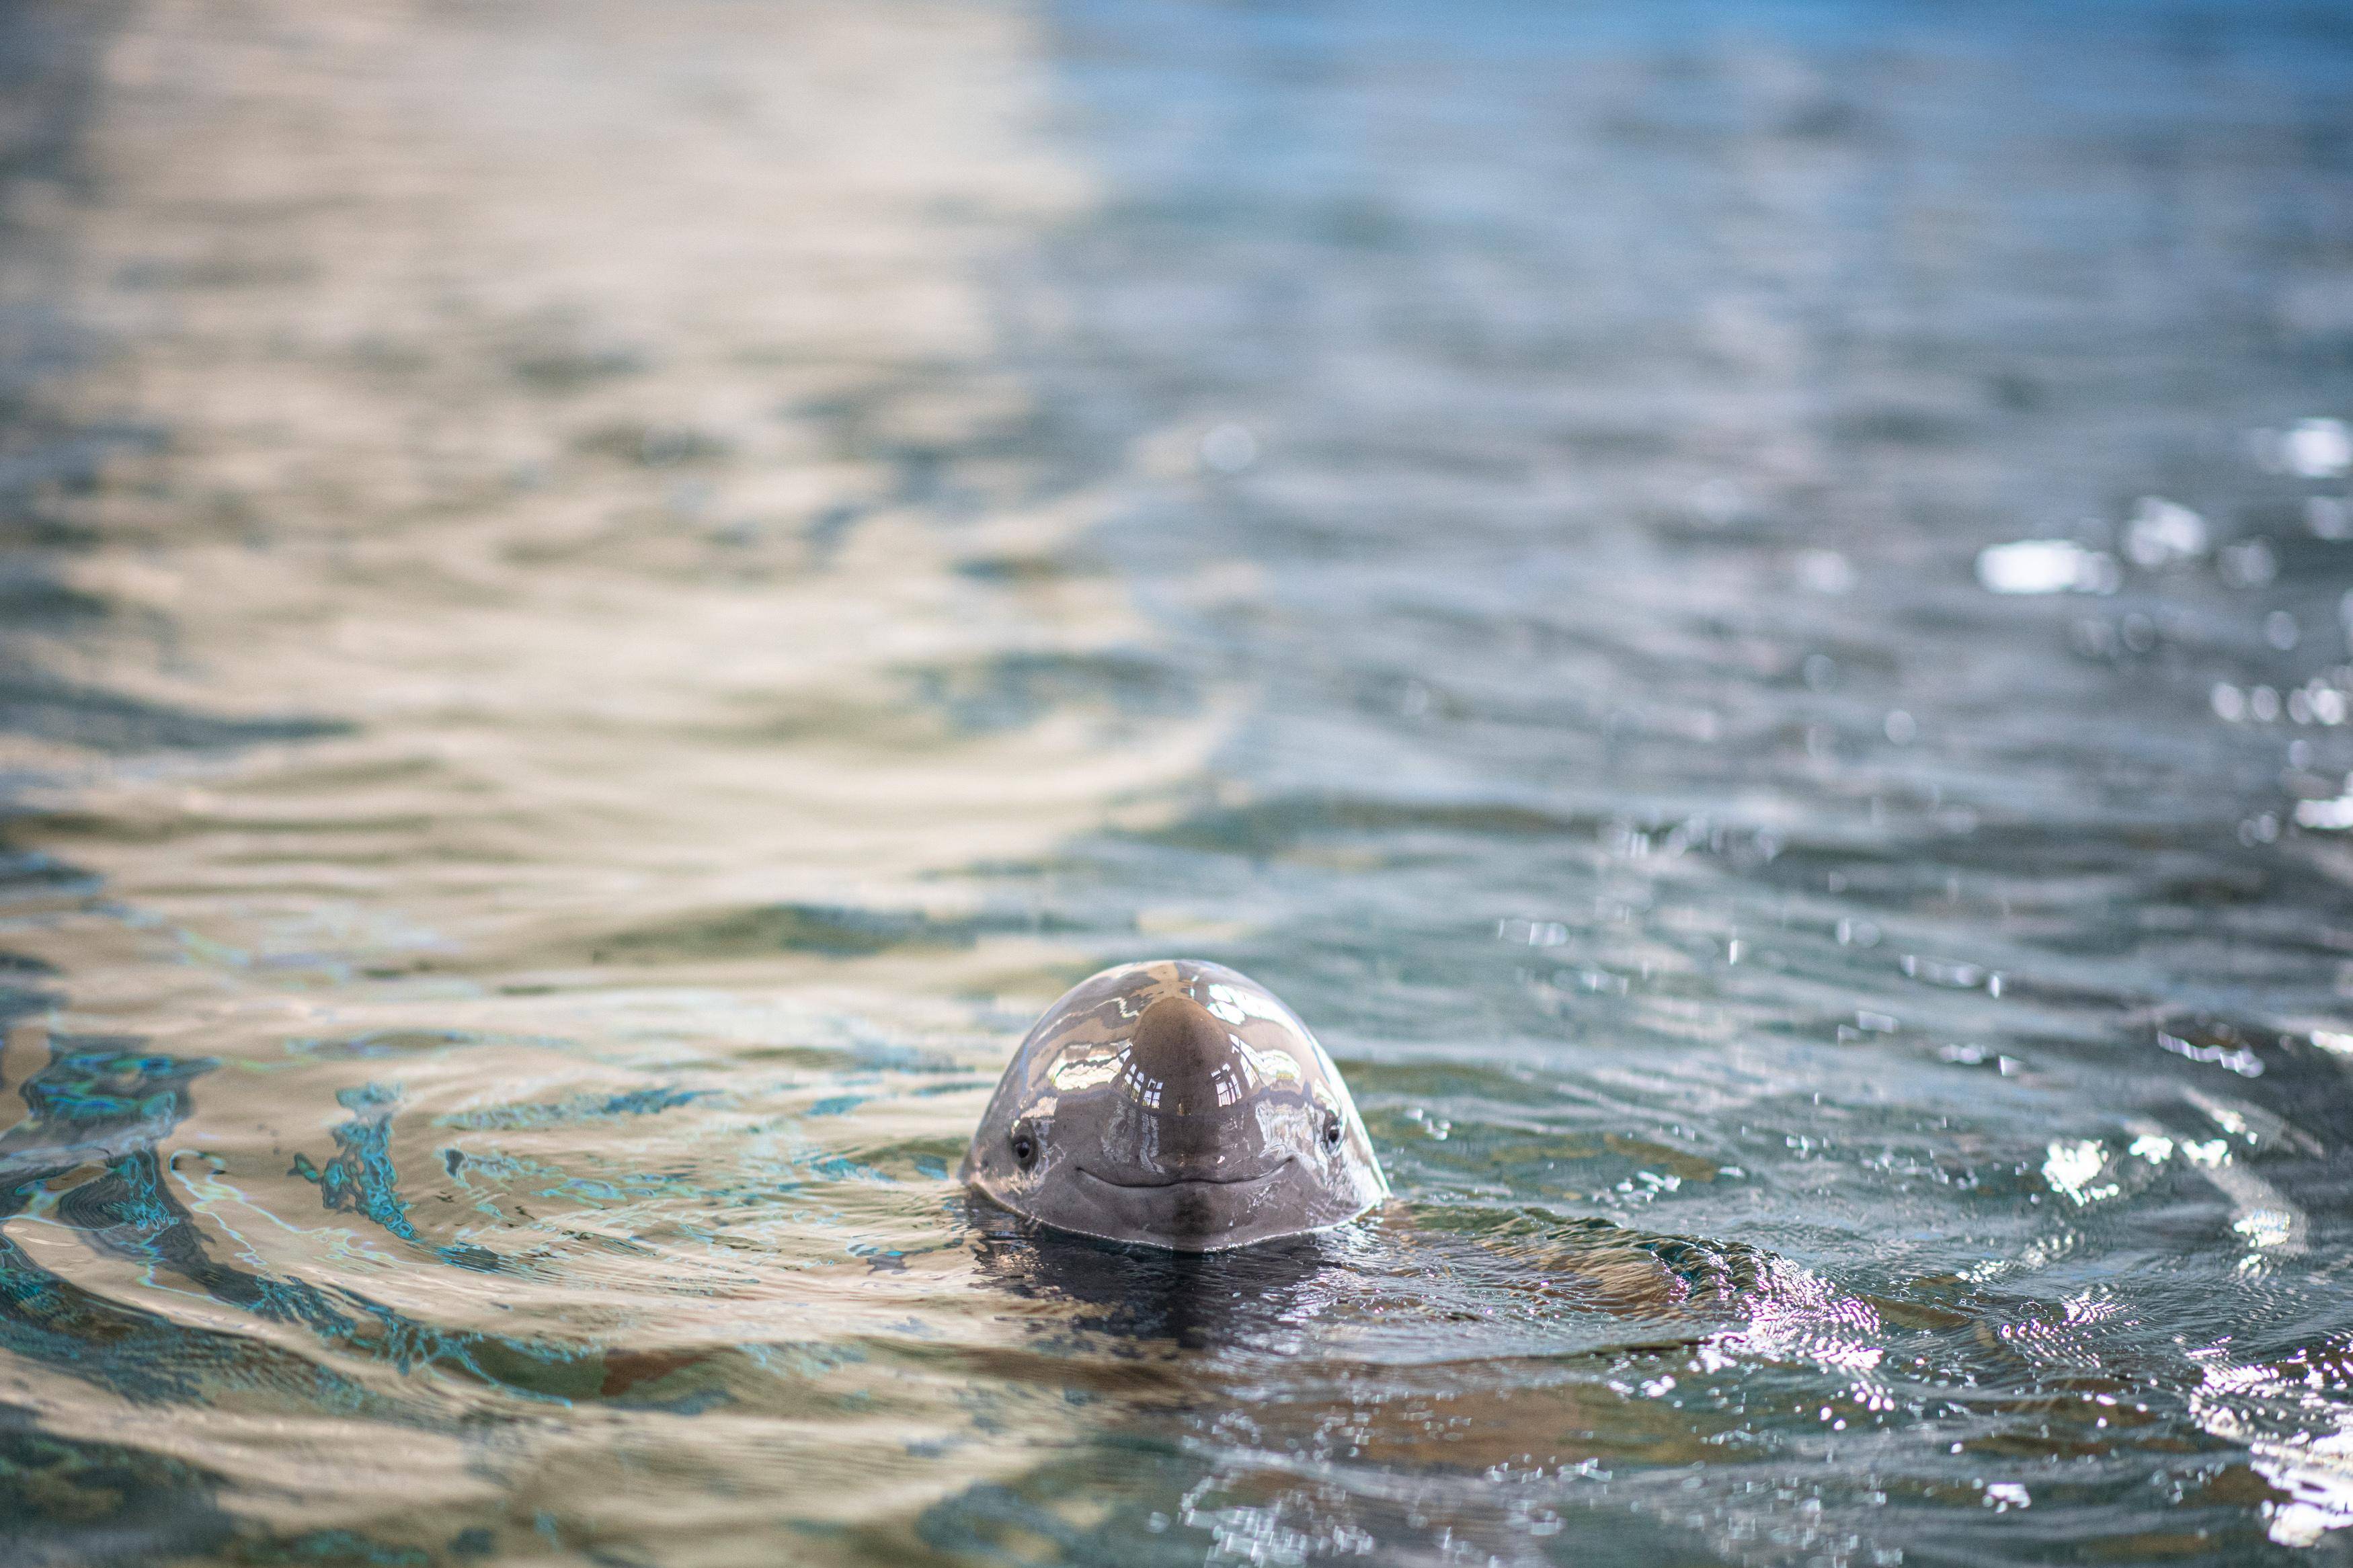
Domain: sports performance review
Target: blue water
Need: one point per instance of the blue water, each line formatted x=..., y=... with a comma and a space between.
x=601, y=602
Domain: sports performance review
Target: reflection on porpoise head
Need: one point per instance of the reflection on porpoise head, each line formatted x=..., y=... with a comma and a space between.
x=1174, y=1104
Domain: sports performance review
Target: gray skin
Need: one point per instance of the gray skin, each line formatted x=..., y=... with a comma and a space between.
x=1175, y=1104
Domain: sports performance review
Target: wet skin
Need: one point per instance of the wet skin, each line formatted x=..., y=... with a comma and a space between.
x=1175, y=1104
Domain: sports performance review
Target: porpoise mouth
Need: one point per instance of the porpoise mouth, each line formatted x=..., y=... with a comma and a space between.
x=1181, y=1182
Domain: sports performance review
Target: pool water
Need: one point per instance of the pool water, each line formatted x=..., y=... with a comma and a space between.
x=1744, y=606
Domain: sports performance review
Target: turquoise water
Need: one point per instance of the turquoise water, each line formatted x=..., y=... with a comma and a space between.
x=600, y=603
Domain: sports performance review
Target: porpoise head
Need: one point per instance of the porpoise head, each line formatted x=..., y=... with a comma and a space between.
x=1177, y=1104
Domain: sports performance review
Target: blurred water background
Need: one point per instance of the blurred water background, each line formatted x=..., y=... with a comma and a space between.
x=1743, y=605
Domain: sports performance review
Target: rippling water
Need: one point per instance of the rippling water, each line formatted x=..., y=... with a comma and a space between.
x=600, y=602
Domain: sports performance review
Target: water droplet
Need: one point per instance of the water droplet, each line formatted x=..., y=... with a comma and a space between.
x=2318, y=449
x=1824, y=571
x=1228, y=449
x=2249, y=564
x=2161, y=531
x=2046, y=566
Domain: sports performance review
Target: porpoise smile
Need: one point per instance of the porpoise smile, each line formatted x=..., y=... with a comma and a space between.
x=1176, y=1181
x=1175, y=1104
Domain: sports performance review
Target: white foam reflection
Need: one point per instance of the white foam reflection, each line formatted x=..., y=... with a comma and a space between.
x=2318, y=449
x=2160, y=533
x=2046, y=566
x=2296, y=1436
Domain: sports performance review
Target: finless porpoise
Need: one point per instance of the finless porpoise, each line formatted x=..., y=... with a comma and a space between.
x=1175, y=1104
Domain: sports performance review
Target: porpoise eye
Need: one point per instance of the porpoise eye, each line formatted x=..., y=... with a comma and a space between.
x=1331, y=1129
x=1025, y=1147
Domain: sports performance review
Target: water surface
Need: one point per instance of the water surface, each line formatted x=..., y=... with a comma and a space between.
x=601, y=601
